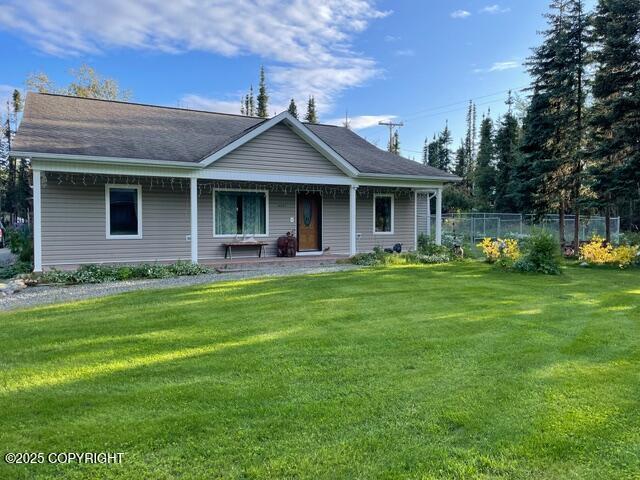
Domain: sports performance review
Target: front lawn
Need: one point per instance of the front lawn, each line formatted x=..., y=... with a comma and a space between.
x=450, y=371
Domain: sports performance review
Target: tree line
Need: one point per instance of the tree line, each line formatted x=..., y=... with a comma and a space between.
x=573, y=147
x=15, y=174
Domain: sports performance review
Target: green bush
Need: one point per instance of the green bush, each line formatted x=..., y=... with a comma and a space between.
x=630, y=238
x=10, y=271
x=381, y=258
x=426, y=246
x=540, y=254
x=112, y=273
x=20, y=241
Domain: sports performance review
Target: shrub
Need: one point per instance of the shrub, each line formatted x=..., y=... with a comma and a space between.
x=541, y=254
x=112, y=273
x=20, y=241
x=381, y=258
x=426, y=246
x=599, y=252
x=10, y=271
x=630, y=239
x=626, y=255
x=501, y=251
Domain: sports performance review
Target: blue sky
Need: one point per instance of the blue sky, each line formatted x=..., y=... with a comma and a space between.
x=418, y=61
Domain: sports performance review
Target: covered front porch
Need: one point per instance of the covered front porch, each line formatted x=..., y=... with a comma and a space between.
x=189, y=218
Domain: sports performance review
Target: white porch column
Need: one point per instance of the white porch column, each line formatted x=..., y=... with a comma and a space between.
x=37, y=222
x=194, y=219
x=429, y=195
x=353, y=249
x=439, y=216
x=415, y=220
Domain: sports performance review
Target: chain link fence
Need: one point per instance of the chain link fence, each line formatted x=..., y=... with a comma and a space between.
x=473, y=227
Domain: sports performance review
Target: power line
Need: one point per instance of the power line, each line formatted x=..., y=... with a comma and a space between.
x=453, y=111
x=419, y=113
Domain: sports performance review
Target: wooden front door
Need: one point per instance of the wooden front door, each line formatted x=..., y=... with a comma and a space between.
x=309, y=221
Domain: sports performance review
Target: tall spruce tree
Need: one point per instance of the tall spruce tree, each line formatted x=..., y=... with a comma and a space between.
x=311, y=115
x=615, y=121
x=293, y=109
x=15, y=195
x=444, y=149
x=485, y=175
x=557, y=71
x=434, y=152
x=461, y=159
x=263, y=97
x=470, y=142
x=507, y=143
x=425, y=151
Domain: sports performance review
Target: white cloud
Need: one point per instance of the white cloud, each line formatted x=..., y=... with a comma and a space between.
x=363, y=121
x=302, y=39
x=501, y=66
x=199, y=102
x=408, y=52
x=391, y=38
x=460, y=14
x=498, y=67
x=495, y=9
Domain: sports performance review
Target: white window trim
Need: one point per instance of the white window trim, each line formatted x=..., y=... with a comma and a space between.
x=107, y=199
x=248, y=190
x=389, y=195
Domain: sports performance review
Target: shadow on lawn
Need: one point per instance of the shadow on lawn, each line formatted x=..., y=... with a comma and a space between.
x=136, y=330
x=469, y=357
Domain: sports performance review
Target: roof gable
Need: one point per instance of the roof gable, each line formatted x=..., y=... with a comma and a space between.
x=297, y=127
x=278, y=150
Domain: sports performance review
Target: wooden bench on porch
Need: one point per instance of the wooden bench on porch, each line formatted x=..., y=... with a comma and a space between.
x=228, y=247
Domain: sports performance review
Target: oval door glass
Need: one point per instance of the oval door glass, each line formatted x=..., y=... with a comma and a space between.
x=307, y=212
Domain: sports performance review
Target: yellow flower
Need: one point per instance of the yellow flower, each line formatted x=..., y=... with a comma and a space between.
x=598, y=252
x=495, y=250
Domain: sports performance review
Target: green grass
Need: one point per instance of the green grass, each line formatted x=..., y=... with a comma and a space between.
x=454, y=371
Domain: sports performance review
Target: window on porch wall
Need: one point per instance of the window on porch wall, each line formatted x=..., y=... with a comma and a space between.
x=240, y=213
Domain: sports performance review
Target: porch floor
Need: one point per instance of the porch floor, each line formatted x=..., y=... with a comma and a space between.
x=245, y=263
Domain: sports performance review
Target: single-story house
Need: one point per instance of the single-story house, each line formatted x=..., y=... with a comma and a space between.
x=125, y=182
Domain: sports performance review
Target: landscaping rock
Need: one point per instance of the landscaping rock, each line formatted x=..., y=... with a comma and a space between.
x=13, y=286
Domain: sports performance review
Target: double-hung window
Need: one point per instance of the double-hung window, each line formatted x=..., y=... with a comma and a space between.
x=383, y=214
x=240, y=213
x=123, y=205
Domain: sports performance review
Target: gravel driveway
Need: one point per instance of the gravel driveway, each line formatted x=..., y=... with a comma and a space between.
x=34, y=296
x=6, y=257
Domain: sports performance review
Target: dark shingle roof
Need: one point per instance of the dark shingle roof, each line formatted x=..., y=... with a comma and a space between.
x=59, y=124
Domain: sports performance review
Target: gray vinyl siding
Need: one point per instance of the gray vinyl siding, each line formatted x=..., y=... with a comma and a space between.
x=335, y=223
x=278, y=150
x=403, y=228
x=74, y=226
x=423, y=212
x=282, y=208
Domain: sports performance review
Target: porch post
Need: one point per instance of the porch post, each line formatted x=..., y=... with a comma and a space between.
x=415, y=220
x=429, y=195
x=439, y=216
x=194, y=219
x=37, y=222
x=353, y=249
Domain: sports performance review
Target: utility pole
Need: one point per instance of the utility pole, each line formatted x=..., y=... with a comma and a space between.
x=391, y=126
